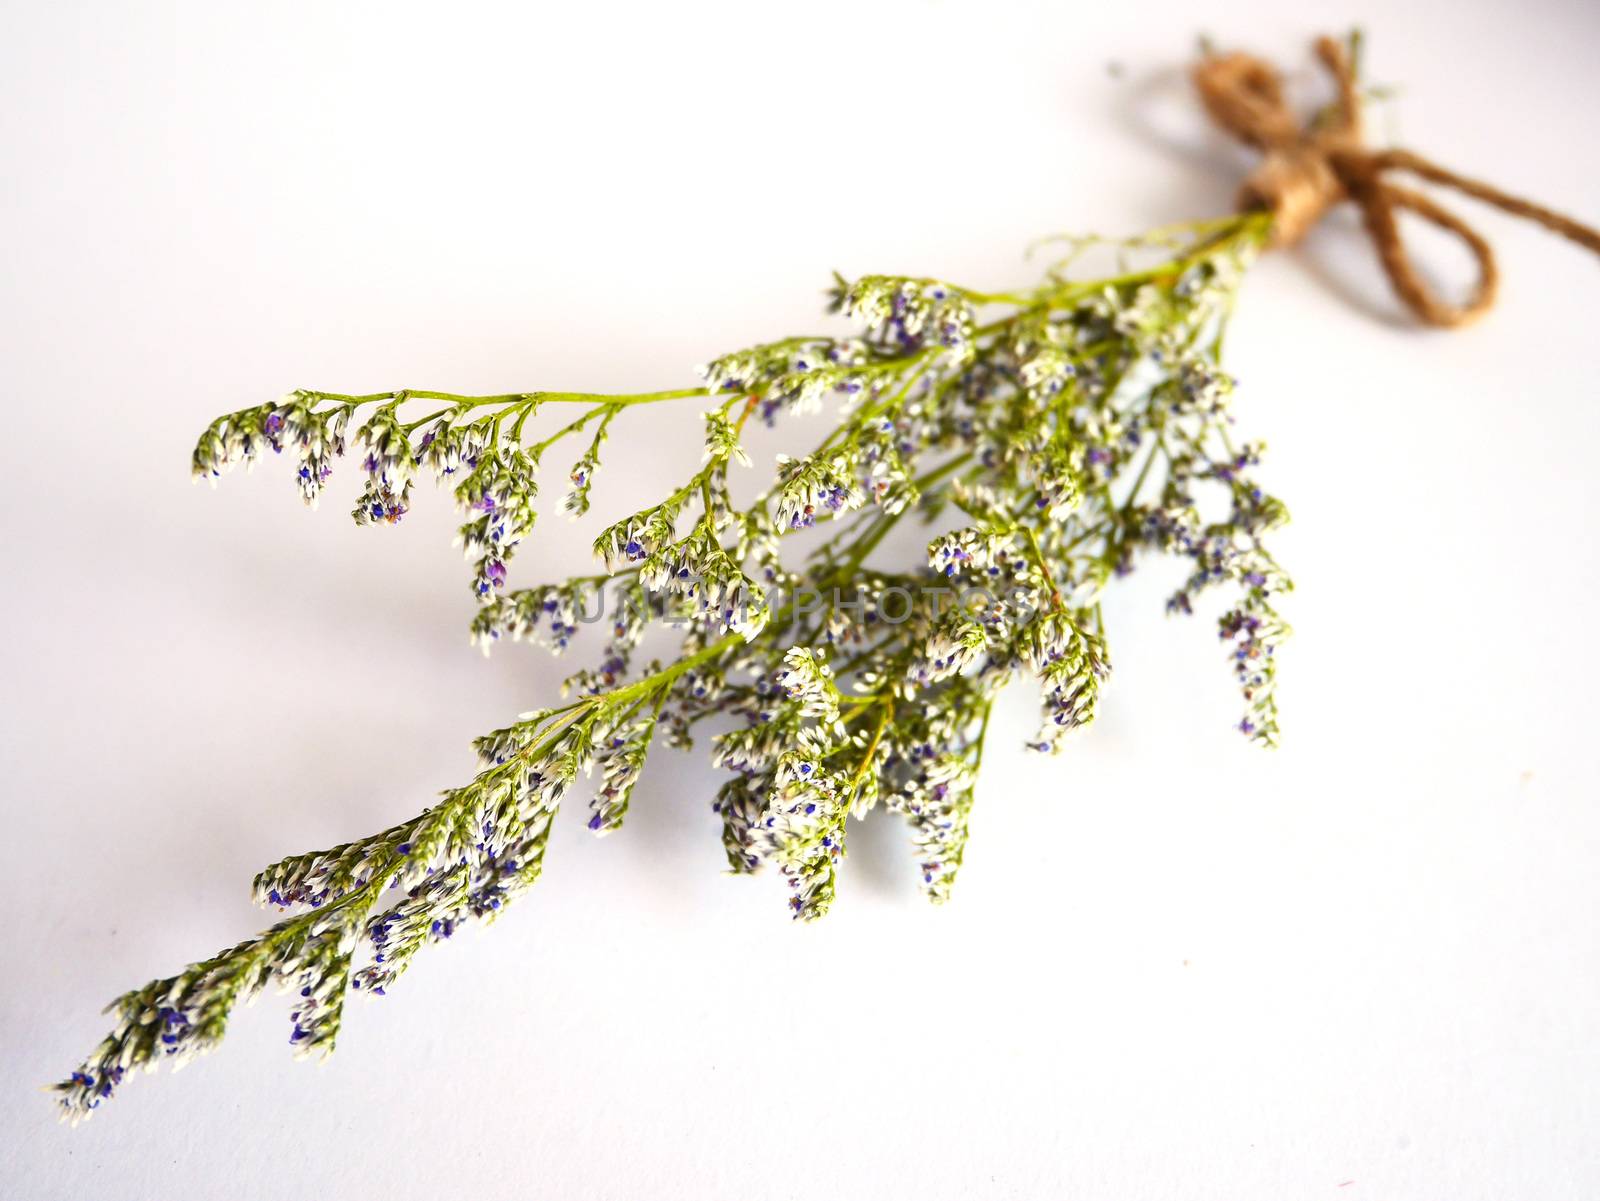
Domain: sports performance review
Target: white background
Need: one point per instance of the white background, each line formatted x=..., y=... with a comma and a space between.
x=1175, y=967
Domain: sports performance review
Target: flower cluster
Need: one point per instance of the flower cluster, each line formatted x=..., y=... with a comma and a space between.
x=1071, y=664
x=910, y=314
x=315, y=437
x=814, y=487
x=1083, y=426
x=795, y=375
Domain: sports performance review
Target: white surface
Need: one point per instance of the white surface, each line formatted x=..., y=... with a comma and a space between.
x=1365, y=967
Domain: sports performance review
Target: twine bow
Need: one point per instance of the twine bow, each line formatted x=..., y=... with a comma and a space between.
x=1307, y=171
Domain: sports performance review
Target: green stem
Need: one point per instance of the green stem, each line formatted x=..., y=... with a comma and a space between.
x=1043, y=566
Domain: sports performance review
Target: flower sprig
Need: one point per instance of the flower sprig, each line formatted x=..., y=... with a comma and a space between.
x=1057, y=435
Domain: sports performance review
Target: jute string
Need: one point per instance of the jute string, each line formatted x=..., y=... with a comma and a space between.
x=1307, y=171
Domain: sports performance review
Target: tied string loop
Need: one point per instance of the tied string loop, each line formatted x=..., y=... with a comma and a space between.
x=1306, y=171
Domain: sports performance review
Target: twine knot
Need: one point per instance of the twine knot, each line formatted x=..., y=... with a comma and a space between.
x=1306, y=171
